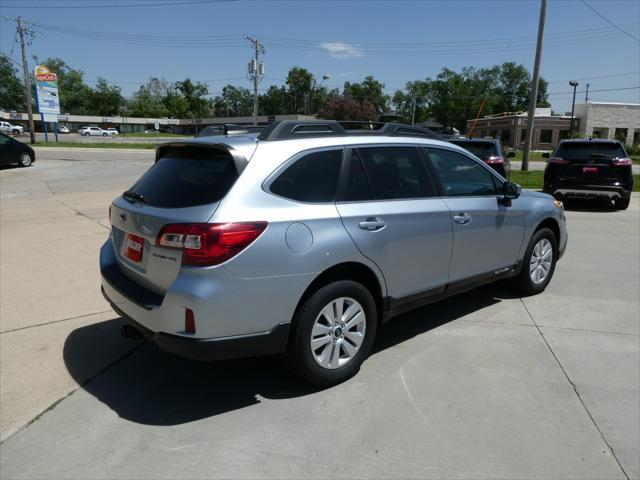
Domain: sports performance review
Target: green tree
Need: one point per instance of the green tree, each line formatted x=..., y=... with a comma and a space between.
x=413, y=102
x=73, y=90
x=105, y=99
x=148, y=101
x=370, y=90
x=300, y=83
x=234, y=102
x=275, y=101
x=346, y=107
x=11, y=87
x=513, y=88
x=194, y=95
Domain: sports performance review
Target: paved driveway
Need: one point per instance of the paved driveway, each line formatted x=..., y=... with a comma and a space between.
x=483, y=385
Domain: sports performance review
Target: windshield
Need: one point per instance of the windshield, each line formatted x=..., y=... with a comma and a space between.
x=578, y=150
x=482, y=150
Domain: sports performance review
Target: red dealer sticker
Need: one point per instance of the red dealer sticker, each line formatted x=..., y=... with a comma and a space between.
x=134, y=246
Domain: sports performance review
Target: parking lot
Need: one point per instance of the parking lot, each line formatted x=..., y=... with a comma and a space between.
x=483, y=385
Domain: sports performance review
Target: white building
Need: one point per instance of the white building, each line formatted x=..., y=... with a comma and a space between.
x=610, y=120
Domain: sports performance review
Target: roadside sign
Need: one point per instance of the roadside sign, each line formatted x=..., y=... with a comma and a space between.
x=47, y=90
x=50, y=117
x=157, y=126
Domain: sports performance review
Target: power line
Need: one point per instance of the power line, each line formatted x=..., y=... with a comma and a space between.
x=598, y=77
x=355, y=49
x=123, y=5
x=599, y=90
x=13, y=44
x=608, y=21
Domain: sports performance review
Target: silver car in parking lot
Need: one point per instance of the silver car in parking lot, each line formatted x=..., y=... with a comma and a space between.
x=301, y=239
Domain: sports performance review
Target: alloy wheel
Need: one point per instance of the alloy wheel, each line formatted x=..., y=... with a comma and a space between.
x=541, y=260
x=338, y=332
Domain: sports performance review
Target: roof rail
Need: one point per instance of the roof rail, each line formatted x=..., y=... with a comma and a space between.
x=288, y=129
x=228, y=129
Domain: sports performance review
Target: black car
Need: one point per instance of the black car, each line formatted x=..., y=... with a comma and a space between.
x=585, y=168
x=488, y=150
x=13, y=152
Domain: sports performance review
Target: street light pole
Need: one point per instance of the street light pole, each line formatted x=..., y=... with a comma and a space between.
x=574, y=84
x=316, y=88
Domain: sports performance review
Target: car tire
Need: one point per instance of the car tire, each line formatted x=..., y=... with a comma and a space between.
x=105, y=134
x=622, y=203
x=24, y=160
x=16, y=132
x=539, y=263
x=86, y=134
x=338, y=355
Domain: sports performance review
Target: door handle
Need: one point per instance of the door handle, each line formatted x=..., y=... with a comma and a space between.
x=372, y=224
x=462, y=218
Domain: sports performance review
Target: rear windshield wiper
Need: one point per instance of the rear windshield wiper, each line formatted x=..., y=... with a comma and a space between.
x=134, y=196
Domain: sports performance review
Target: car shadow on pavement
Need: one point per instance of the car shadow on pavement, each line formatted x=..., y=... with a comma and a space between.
x=151, y=387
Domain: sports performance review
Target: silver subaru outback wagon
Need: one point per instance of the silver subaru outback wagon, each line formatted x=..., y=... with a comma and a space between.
x=301, y=239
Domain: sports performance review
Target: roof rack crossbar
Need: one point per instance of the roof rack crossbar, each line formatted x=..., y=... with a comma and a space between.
x=289, y=129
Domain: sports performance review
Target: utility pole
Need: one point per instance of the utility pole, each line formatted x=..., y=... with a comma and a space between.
x=586, y=95
x=534, y=87
x=256, y=69
x=413, y=112
x=27, y=80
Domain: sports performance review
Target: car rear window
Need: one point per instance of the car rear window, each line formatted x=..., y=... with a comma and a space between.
x=186, y=177
x=588, y=150
x=482, y=150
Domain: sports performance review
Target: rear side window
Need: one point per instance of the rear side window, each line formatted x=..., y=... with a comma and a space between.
x=461, y=175
x=312, y=179
x=584, y=150
x=186, y=177
x=387, y=173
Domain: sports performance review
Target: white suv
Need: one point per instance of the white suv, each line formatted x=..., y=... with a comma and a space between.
x=93, y=132
x=6, y=127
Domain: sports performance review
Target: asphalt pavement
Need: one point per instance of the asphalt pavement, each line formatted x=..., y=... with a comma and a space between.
x=483, y=385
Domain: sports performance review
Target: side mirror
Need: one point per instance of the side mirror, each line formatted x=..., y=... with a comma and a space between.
x=545, y=155
x=511, y=190
x=511, y=154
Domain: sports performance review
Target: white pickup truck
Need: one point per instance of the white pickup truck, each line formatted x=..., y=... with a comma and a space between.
x=6, y=127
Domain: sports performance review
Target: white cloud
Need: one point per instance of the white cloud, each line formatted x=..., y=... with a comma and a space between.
x=342, y=50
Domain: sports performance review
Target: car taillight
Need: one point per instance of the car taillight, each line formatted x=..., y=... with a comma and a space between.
x=558, y=161
x=206, y=244
x=622, y=162
x=494, y=160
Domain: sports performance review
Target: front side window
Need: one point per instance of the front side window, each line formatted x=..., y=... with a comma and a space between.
x=461, y=175
x=387, y=173
x=311, y=179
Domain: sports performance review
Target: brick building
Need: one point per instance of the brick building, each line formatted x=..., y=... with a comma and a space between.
x=602, y=119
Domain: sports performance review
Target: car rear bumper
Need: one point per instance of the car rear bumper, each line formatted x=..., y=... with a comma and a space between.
x=271, y=342
x=235, y=317
x=568, y=190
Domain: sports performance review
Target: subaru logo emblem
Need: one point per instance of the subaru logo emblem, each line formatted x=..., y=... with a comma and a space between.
x=123, y=218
